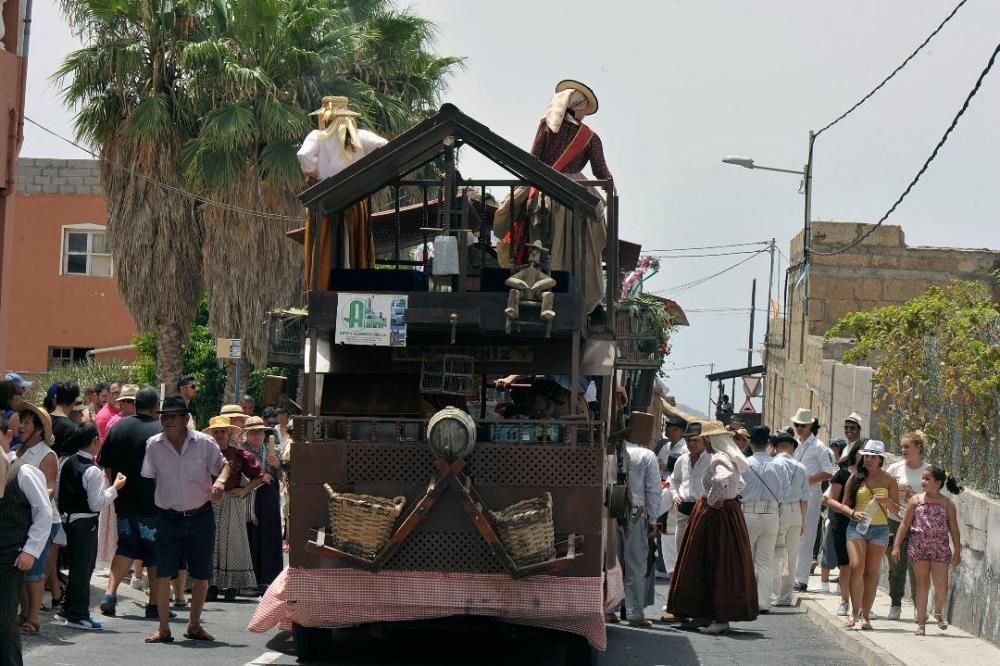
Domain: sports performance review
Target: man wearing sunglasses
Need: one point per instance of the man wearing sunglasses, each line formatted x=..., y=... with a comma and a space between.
x=818, y=461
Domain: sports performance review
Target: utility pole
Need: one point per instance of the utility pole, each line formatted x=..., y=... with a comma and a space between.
x=711, y=371
x=770, y=291
x=753, y=313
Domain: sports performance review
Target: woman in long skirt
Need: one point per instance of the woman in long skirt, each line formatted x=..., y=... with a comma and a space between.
x=233, y=565
x=714, y=579
x=264, y=526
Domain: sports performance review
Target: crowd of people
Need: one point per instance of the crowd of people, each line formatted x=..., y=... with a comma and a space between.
x=750, y=524
x=116, y=475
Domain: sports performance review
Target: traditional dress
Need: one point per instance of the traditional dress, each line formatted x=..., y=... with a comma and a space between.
x=232, y=563
x=264, y=523
x=714, y=577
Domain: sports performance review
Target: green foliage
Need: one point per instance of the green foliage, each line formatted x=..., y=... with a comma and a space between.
x=657, y=323
x=938, y=369
x=85, y=375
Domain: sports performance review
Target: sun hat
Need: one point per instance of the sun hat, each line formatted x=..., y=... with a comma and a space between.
x=721, y=439
x=333, y=106
x=855, y=418
x=255, y=423
x=18, y=379
x=221, y=422
x=583, y=89
x=174, y=404
x=128, y=392
x=231, y=410
x=873, y=447
x=803, y=417
x=43, y=416
x=706, y=429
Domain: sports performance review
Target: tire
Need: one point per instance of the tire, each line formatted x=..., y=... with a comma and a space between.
x=311, y=643
x=579, y=652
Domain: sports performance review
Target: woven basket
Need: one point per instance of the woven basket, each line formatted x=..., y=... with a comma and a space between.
x=526, y=530
x=361, y=524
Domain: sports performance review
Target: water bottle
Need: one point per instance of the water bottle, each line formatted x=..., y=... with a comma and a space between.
x=863, y=524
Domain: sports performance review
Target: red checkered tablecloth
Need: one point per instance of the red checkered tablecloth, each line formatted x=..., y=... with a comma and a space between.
x=347, y=597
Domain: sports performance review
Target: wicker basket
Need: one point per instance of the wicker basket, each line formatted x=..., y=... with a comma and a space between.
x=526, y=530
x=361, y=524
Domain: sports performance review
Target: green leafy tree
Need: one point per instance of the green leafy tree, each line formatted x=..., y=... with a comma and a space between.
x=937, y=360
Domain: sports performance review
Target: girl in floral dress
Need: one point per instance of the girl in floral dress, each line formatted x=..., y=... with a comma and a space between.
x=930, y=518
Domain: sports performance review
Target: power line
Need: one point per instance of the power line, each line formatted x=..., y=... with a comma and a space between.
x=927, y=163
x=166, y=186
x=699, y=256
x=694, y=283
x=895, y=71
x=710, y=247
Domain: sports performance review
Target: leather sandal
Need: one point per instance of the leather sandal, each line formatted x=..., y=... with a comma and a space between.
x=939, y=618
x=29, y=628
x=198, y=634
x=159, y=636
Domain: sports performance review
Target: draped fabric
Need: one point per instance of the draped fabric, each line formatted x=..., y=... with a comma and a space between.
x=232, y=564
x=357, y=247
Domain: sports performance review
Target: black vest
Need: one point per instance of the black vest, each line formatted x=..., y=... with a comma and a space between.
x=15, y=516
x=72, y=494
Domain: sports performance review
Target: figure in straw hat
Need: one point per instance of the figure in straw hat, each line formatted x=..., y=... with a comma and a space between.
x=325, y=152
x=567, y=145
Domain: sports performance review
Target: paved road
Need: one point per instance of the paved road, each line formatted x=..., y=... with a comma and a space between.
x=784, y=638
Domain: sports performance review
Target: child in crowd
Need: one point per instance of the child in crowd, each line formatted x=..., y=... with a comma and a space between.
x=930, y=517
x=83, y=493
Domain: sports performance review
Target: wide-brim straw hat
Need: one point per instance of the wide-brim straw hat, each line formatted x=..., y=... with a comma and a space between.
x=43, y=415
x=701, y=428
x=255, y=423
x=334, y=106
x=583, y=89
x=803, y=416
x=217, y=422
x=232, y=410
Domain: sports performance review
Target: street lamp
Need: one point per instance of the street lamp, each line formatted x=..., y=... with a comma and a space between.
x=748, y=163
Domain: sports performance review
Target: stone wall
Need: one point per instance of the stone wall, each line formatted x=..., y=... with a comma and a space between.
x=52, y=176
x=974, y=597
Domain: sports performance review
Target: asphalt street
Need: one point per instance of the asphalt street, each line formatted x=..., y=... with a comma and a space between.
x=784, y=638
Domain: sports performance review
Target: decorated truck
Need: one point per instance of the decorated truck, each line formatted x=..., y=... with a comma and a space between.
x=459, y=454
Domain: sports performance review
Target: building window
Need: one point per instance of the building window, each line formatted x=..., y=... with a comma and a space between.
x=62, y=356
x=86, y=252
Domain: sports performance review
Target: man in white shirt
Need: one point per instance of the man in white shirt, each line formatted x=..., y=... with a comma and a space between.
x=790, y=516
x=644, y=488
x=25, y=522
x=818, y=461
x=674, y=447
x=766, y=484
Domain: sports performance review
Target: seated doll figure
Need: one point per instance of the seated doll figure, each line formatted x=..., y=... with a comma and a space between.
x=531, y=284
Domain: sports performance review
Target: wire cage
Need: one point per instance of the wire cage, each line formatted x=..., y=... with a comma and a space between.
x=450, y=374
x=635, y=337
x=286, y=337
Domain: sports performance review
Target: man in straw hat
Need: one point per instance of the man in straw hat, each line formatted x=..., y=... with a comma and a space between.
x=25, y=523
x=325, y=152
x=184, y=463
x=634, y=535
x=818, y=461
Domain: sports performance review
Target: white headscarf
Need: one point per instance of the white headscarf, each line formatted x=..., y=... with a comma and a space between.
x=560, y=106
x=340, y=128
x=727, y=445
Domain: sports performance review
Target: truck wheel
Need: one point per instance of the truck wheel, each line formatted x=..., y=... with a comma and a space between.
x=311, y=643
x=579, y=652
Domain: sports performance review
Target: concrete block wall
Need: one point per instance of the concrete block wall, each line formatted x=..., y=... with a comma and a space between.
x=845, y=389
x=54, y=176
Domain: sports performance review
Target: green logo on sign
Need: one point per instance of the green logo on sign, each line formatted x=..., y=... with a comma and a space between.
x=361, y=314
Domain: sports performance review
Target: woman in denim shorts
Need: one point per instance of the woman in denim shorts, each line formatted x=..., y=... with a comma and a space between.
x=870, y=497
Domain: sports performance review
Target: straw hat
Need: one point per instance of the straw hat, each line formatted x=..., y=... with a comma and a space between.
x=803, y=416
x=221, y=422
x=583, y=89
x=698, y=428
x=45, y=418
x=232, y=410
x=255, y=423
x=333, y=107
x=128, y=392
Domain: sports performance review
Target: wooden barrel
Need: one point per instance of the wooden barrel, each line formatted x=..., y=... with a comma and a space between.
x=451, y=433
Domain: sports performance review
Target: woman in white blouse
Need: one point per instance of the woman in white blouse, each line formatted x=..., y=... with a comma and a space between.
x=714, y=580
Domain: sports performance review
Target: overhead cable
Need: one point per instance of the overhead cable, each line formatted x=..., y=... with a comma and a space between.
x=694, y=283
x=927, y=162
x=166, y=186
x=895, y=71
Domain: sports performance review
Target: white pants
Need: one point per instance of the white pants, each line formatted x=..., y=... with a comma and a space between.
x=786, y=551
x=808, y=537
x=682, y=523
x=763, y=529
x=634, y=554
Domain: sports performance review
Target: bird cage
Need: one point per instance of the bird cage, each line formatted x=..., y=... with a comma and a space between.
x=450, y=374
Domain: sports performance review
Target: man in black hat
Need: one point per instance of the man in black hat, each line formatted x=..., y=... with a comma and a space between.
x=765, y=489
x=184, y=463
x=675, y=446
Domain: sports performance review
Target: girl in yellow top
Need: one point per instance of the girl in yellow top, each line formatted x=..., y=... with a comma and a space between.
x=870, y=495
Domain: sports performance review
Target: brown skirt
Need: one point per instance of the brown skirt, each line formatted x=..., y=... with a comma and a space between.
x=714, y=577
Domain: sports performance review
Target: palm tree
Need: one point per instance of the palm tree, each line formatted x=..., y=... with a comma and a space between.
x=125, y=84
x=257, y=69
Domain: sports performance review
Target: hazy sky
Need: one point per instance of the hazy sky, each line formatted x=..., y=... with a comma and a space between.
x=683, y=83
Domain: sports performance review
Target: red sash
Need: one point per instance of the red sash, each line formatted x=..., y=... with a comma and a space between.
x=519, y=234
